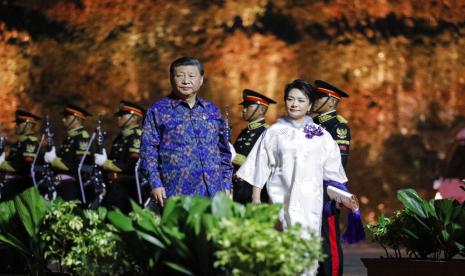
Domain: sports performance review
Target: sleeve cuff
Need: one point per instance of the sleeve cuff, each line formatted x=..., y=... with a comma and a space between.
x=110, y=166
x=239, y=159
x=5, y=166
x=57, y=163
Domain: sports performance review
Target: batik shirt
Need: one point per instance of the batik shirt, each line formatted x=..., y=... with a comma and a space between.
x=186, y=149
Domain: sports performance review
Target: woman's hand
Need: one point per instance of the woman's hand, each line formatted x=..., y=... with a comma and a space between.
x=256, y=195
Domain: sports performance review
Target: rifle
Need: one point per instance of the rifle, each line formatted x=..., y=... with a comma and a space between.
x=2, y=148
x=2, y=144
x=228, y=126
x=48, y=177
x=96, y=178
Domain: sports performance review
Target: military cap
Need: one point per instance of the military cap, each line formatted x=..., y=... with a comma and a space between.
x=77, y=111
x=252, y=97
x=24, y=116
x=323, y=87
x=126, y=107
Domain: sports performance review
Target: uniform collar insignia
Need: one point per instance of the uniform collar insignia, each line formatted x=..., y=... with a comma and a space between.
x=256, y=124
x=326, y=116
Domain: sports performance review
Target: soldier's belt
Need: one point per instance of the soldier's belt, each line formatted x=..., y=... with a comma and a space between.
x=119, y=177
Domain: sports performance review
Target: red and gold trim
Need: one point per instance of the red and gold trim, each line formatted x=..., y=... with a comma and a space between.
x=136, y=111
x=329, y=92
x=257, y=100
x=25, y=118
x=76, y=113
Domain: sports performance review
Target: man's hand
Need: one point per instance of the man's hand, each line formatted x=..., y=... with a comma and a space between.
x=158, y=195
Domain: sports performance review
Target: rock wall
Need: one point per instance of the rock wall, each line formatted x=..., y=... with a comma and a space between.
x=402, y=62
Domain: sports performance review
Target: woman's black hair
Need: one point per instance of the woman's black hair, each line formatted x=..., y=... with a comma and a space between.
x=186, y=61
x=303, y=86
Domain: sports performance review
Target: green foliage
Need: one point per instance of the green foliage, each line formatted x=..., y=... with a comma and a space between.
x=201, y=236
x=252, y=246
x=81, y=241
x=20, y=222
x=194, y=236
x=426, y=229
x=140, y=232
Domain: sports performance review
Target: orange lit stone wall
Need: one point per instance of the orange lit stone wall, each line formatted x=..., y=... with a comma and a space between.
x=402, y=62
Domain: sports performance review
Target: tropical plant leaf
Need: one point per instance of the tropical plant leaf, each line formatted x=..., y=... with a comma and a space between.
x=120, y=221
x=31, y=208
x=151, y=239
x=412, y=202
x=179, y=268
x=222, y=206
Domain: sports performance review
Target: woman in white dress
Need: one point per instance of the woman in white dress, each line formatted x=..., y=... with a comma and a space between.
x=293, y=157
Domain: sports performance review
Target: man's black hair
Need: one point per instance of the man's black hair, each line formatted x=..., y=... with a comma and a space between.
x=183, y=61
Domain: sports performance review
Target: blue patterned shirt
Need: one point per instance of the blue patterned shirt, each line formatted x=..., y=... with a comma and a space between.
x=185, y=149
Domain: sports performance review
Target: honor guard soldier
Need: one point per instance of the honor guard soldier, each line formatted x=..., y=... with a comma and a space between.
x=16, y=168
x=66, y=163
x=255, y=107
x=325, y=114
x=124, y=155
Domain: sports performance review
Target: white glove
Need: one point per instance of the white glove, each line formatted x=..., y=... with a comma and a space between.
x=2, y=158
x=99, y=159
x=50, y=155
x=233, y=151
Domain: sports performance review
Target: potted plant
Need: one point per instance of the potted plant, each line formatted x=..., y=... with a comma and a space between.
x=431, y=233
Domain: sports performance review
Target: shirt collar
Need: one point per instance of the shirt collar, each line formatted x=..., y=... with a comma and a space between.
x=75, y=131
x=288, y=121
x=326, y=116
x=175, y=101
x=129, y=130
x=23, y=137
x=256, y=124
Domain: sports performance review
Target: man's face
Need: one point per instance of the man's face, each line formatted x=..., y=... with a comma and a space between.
x=125, y=120
x=186, y=81
x=249, y=112
x=323, y=105
x=20, y=128
x=70, y=121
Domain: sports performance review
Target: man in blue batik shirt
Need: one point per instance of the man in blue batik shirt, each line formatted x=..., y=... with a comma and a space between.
x=184, y=147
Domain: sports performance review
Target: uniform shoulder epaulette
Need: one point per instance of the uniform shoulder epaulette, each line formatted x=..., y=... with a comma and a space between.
x=85, y=134
x=265, y=125
x=139, y=131
x=341, y=119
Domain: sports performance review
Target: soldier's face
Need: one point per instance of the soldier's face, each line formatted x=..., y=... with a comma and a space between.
x=71, y=121
x=20, y=128
x=323, y=105
x=186, y=81
x=249, y=113
x=125, y=120
x=297, y=104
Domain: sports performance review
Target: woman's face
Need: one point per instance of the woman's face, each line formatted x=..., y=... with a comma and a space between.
x=297, y=104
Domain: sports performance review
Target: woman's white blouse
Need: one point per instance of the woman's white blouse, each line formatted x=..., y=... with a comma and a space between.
x=294, y=168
